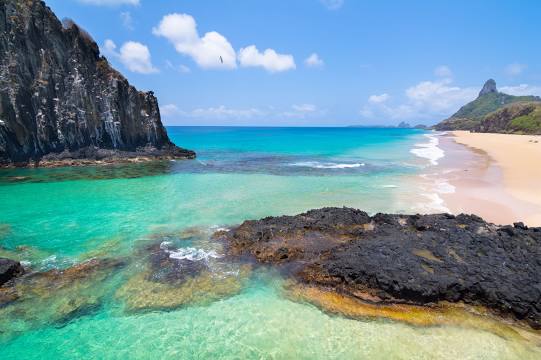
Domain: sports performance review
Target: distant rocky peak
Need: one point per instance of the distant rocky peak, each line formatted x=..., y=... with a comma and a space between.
x=489, y=88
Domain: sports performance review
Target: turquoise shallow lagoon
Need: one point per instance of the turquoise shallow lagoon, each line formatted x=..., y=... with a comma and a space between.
x=53, y=219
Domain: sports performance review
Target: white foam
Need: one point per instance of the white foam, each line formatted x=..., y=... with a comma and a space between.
x=390, y=186
x=193, y=254
x=429, y=150
x=221, y=229
x=165, y=245
x=436, y=203
x=443, y=187
x=435, y=185
x=188, y=253
x=318, y=165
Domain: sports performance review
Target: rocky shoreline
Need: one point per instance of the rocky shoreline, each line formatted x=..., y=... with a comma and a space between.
x=424, y=270
x=95, y=156
x=403, y=259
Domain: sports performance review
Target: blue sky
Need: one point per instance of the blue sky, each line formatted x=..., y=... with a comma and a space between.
x=329, y=62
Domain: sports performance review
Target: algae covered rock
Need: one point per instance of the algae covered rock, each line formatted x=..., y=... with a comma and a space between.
x=172, y=277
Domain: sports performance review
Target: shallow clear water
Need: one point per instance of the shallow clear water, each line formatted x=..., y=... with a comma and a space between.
x=55, y=218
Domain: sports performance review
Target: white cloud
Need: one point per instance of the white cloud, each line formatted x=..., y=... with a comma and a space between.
x=515, y=69
x=225, y=112
x=432, y=100
x=521, y=90
x=133, y=55
x=109, y=46
x=110, y=2
x=181, y=68
x=206, y=51
x=127, y=20
x=222, y=112
x=270, y=60
x=314, y=61
x=304, y=108
x=439, y=96
x=366, y=112
x=443, y=71
x=184, y=69
x=170, y=110
x=332, y=4
x=300, y=111
x=378, y=99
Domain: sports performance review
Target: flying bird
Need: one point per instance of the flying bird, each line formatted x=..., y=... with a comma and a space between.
x=221, y=60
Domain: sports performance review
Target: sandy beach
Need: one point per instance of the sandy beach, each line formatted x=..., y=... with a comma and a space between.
x=496, y=176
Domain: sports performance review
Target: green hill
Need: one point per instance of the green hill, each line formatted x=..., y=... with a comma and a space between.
x=517, y=118
x=471, y=115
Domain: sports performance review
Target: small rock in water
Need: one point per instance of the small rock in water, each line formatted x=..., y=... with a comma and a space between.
x=9, y=269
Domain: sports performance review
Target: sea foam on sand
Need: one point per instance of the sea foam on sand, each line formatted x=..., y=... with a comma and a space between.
x=318, y=165
x=430, y=149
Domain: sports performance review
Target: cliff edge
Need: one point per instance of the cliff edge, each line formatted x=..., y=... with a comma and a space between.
x=62, y=103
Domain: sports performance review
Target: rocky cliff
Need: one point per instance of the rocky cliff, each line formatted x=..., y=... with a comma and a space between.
x=59, y=99
x=473, y=114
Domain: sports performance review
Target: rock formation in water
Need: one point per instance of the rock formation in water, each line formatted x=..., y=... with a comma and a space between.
x=59, y=99
x=411, y=259
x=475, y=115
x=9, y=269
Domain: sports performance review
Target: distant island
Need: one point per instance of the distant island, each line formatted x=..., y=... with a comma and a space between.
x=402, y=125
x=62, y=103
x=496, y=112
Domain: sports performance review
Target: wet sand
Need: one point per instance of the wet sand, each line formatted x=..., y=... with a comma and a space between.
x=494, y=176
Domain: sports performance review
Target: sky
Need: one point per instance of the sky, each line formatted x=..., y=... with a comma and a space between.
x=315, y=62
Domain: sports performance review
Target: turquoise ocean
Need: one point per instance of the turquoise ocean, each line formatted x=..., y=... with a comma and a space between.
x=54, y=219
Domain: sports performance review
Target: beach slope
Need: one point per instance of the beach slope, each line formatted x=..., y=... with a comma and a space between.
x=518, y=157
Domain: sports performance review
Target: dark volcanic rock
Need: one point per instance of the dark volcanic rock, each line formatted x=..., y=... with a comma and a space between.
x=168, y=270
x=58, y=96
x=9, y=269
x=417, y=259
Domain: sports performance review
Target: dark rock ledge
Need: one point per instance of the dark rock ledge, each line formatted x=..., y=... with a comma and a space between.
x=95, y=156
x=408, y=259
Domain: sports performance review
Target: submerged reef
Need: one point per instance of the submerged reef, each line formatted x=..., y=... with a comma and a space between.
x=162, y=272
x=403, y=259
x=54, y=296
x=173, y=277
